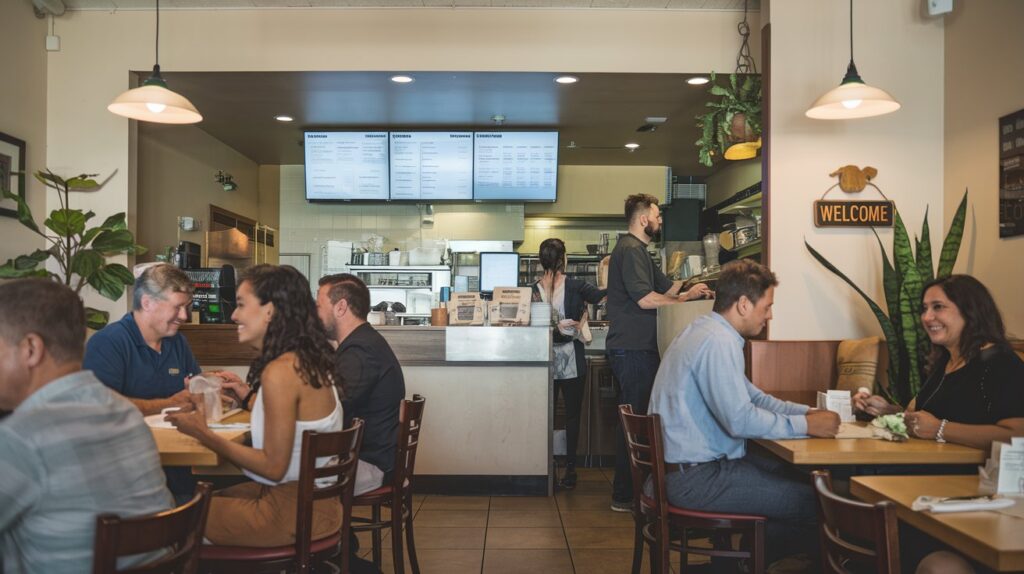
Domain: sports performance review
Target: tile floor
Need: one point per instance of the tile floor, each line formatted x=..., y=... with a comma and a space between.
x=571, y=532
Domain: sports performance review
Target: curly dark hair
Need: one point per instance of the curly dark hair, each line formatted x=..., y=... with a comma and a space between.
x=982, y=322
x=294, y=326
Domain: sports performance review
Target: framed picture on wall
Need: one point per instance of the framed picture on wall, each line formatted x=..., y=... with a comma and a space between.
x=1011, y=174
x=12, y=160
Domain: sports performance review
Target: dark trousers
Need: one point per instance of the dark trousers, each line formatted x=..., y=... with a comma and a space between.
x=572, y=396
x=634, y=372
x=754, y=485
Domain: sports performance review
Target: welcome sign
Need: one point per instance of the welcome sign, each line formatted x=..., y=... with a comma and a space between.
x=854, y=213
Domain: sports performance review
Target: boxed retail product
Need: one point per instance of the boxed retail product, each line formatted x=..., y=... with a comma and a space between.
x=465, y=309
x=510, y=306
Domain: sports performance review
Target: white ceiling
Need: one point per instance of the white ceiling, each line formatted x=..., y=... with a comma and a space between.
x=113, y=5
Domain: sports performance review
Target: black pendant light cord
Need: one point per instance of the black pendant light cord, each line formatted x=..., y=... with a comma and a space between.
x=158, y=34
x=851, y=27
x=851, y=71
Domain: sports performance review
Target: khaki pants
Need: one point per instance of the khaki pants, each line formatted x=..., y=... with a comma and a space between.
x=255, y=515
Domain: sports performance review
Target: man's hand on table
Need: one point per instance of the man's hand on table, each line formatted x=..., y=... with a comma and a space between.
x=822, y=424
x=182, y=398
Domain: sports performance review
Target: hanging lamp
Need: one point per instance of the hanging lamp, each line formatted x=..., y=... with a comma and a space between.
x=744, y=65
x=153, y=101
x=852, y=98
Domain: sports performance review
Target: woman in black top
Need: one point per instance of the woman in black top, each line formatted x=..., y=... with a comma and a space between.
x=568, y=296
x=974, y=393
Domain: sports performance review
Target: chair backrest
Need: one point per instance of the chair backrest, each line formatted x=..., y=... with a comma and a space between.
x=855, y=532
x=177, y=532
x=410, y=420
x=343, y=449
x=644, y=447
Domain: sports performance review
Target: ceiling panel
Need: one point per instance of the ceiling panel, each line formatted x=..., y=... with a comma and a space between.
x=599, y=114
x=111, y=5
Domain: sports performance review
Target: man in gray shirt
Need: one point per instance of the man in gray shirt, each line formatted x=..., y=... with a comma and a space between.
x=72, y=448
x=636, y=288
x=708, y=409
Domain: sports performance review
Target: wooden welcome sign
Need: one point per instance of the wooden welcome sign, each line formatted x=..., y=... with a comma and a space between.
x=855, y=213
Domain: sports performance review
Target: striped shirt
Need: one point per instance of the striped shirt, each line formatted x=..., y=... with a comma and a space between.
x=71, y=451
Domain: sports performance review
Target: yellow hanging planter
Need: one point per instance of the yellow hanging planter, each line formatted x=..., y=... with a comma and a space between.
x=743, y=150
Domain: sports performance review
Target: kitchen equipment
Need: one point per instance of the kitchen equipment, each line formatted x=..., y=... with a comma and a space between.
x=603, y=243
x=394, y=258
x=593, y=248
x=420, y=302
x=425, y=256
x=694, y=265
x=711, y=251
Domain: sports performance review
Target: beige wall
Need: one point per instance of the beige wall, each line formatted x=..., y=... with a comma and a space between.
x=23, y=114
x=899, y=50
x=982, y=83
x=601, y=189
x=100, y=48
x=176, y=170
x=735, y=176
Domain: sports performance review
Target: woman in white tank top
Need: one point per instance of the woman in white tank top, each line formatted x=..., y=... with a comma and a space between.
x=290, y=389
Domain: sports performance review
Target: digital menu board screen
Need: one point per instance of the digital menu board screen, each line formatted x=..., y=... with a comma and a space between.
x=432, y=166
x=346, y=166
x=515, y=166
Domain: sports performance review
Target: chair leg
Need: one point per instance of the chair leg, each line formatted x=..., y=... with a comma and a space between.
x=375, y=517
x=684, y=542
x=396, y=538
x=638, y=546
x=758, y=565
x=410, y=541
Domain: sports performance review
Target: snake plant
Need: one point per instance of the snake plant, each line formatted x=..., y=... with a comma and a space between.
x=903, y=281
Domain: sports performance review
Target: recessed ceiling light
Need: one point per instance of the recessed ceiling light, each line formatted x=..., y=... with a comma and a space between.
x=402, y=79
x=567, y=79
x=284, y=118
x=632, y=146
x=697, y=81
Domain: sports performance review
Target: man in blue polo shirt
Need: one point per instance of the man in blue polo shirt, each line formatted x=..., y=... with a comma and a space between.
x=143, y=356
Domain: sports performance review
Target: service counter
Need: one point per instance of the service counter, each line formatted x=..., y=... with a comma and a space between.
x=488, y=417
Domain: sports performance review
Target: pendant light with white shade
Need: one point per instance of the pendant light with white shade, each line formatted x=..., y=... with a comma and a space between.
x=852, y=98
x=153, y=101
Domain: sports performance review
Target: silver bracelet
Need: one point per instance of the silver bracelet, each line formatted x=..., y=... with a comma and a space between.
x=938, y=433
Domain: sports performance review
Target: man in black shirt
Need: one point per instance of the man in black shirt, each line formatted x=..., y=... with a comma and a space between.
x=367, y=371
x=636, y=288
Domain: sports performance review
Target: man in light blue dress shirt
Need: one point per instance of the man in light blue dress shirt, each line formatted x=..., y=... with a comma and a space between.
x=709, y=409
x=72, y=448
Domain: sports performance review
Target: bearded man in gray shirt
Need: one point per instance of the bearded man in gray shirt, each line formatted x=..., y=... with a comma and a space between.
x=72, y=448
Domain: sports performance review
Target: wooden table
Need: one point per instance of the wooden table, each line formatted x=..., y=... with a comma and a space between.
x=994, y=539
x=833, y=451
x=177, y=449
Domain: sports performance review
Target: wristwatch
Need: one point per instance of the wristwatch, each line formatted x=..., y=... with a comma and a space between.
x=938, y=433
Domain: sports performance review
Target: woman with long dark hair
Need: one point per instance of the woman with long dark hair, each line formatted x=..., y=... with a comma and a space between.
x=568, y=297
x=290, y=391
x=974, y=393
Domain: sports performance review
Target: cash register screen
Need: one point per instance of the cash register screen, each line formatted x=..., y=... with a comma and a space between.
x=499, y=269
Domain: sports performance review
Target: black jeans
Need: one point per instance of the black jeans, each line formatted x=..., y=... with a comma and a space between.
x=572, y=395
x=634, y=372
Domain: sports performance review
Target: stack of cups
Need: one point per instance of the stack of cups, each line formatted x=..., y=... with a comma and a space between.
x=540, y=315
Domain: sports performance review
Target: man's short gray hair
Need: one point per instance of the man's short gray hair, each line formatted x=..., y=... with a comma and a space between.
x=157, y=281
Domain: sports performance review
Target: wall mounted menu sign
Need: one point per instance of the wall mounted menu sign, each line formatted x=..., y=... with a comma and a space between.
x=853, y=213
x=1011, y=174
x=346, y=165
x=432, y=165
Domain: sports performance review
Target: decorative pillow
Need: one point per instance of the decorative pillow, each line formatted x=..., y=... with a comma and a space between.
x=857, y=364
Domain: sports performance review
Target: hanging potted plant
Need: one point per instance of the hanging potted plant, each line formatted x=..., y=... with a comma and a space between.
x=80, y=252
x=732, y=126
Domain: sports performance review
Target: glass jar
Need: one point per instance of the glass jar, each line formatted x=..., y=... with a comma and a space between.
x=711, y=252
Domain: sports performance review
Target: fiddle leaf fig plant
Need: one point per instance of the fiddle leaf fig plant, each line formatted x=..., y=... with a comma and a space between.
x=80, y=251
x=903, y=282
x=734, y=117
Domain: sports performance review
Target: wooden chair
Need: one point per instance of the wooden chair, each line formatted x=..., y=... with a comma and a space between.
x=855, y=536
x=343, y=446
x=397, y=495
x=665, y=527
x=179, y=531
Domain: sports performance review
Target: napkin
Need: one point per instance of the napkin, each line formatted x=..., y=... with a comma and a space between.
x=940, y=504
